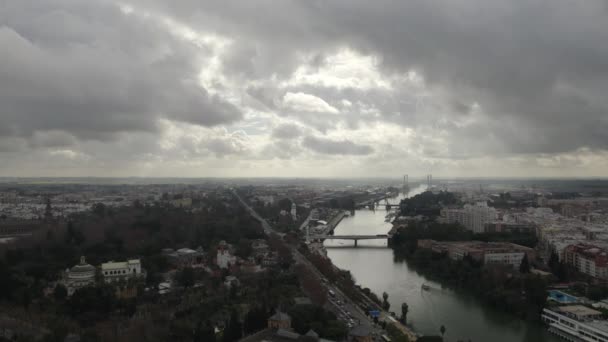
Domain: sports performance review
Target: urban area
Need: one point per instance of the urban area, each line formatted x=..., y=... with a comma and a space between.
x=228, y=260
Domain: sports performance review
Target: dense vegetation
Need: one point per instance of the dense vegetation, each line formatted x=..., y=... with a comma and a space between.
x=427, y=203
x=200, y=301
x=325, y=323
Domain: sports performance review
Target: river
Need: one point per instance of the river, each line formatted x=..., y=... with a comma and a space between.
x=464, y=317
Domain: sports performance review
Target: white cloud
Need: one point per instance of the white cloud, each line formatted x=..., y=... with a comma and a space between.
x=344, y=69
x=303, y=102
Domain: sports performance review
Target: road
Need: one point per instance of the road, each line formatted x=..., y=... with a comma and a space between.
x=339, y=303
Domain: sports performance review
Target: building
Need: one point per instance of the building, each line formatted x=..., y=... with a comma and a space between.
x=588, y=259
x=123, y=270
x=472, y=217
x=489, y=253
x=79, y=276
x=185, y=257
x=279, y=320
x=576, y=323
x=508, y=227
x=224, y=259
x=260, y=248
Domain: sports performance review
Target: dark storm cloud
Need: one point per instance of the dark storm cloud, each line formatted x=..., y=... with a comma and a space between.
x=89, y=70
x=534, y=67
x=329, y=146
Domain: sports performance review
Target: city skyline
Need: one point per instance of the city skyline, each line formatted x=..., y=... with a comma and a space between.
x=303, y=89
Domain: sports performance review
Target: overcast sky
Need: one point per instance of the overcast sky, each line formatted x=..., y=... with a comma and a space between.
x=329, y=88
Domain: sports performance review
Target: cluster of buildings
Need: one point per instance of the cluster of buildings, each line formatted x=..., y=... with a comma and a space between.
x=576, y=230
x=30, y=202
x=84, y=274
x=472, y=217
x=488, y=253
x=587, y=259
x=582, y=244
x=261, y=257
x=37, y=207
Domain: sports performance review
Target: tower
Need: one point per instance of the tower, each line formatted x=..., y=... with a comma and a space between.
x=48, y=210
x=293, y=211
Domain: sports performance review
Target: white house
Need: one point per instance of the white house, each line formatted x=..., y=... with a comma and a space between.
x=123, y=270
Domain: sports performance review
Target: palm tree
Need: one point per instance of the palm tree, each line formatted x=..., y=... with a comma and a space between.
x=385, y=304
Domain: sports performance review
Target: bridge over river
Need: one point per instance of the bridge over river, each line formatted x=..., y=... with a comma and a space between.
x=355, y=238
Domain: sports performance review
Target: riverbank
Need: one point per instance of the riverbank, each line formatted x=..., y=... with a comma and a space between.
x=465, y=316
x=335, y=220
x=365, y=300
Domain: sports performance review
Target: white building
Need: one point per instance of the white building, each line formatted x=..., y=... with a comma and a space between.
x=576, y=323
x=472, y=217
x=123, y=270
x=510, y=258
x=224, y=259
x=79, y=276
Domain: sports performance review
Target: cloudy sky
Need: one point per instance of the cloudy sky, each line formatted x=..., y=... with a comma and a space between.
x=328, y=88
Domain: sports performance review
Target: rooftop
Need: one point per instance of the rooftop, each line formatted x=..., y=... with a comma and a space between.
x=280, y=316
x=119, y=264
x=578, y=310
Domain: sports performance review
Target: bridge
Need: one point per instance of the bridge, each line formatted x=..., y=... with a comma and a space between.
x=377, y=202
x=356, y=238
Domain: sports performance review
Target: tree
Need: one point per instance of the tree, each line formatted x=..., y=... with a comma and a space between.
x=442, y=330
x=204, y=333
x=73, y=235
x=524, y=267
x=244, y=249
x=234, y=329
x=90, y=303
x=311, y=283
x=404, y=310
x=255, y=320
x=60, y=292
x=186, y=277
